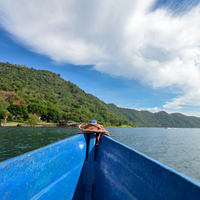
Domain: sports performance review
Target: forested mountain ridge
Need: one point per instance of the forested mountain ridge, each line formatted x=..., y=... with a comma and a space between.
x=42, y=89
x=48, y=95
x=160, y=119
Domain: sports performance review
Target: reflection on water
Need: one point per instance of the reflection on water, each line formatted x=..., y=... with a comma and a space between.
x=177, y=148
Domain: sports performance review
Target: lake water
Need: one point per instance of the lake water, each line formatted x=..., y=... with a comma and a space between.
x=176, y=148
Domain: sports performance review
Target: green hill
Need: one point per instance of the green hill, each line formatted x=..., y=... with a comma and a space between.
x=160, y=119
x=48, y=95
x=45, y=89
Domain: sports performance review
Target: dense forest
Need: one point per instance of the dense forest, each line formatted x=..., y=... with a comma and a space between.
x=46, y=94
x=160, y=119
x=25, y=91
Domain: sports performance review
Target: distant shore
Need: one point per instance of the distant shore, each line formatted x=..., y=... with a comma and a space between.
x=25, y=124
x=18, y=124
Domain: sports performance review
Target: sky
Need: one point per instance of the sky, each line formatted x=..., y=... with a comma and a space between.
x=138, y=54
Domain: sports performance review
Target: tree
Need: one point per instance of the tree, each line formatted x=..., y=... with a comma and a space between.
x=4, y=116
x=51, y=115
x=37, y=109
x=18, y=111
x=1, y=120
x=33, y=119
x=3, y=103
x=65, y=116
x=74, y=117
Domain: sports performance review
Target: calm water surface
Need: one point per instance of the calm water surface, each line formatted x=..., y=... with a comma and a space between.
x=177, y=148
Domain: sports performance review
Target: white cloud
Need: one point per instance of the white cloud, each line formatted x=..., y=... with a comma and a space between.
x=122, y=38
x=154, y=110
x=191, y=98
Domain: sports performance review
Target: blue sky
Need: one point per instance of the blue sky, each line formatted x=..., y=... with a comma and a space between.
x=141, y=54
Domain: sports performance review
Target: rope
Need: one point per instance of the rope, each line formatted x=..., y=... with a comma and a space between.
x=92, y=128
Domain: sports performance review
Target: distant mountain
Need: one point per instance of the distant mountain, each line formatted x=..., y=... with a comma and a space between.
x=42, y=89
x=160, y=119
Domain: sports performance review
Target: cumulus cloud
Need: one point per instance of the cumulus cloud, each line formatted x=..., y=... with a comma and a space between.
x=122, y=38
x=155, y=109
x=191, y=98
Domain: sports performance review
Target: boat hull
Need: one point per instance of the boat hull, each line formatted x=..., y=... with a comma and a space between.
x=75, y=168
x=123, y=173
x=51, y=172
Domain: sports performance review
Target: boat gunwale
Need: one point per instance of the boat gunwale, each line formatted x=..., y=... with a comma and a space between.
x=30, y=153
x=192, y=181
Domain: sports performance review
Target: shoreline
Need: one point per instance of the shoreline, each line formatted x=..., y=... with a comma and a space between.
x=29, y=125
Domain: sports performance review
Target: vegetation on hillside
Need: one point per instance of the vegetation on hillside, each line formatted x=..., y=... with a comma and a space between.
x=160, y=119
x=46, y=94
x=3, y=112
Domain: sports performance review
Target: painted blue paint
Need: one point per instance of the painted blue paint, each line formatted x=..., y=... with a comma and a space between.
x=89, y=172
x=51, y=172
x=76, y=169
x=123, y=173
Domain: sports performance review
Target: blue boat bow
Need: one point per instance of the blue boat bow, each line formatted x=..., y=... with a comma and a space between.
x=75, y=168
